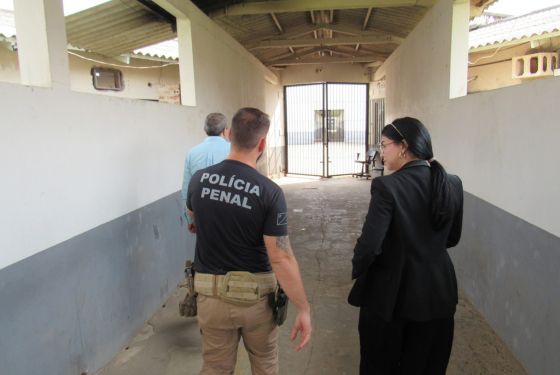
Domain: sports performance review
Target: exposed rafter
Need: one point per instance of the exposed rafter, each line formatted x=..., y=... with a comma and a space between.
x=307, y=52
x=284, y=6
x=281, y=29
x=295, y=32
x=310, y=42
x=276, y=22
x=297, y=55
x=334, y=50
x=352, y=30
x=329, y=60
x=366, y=20
x=302, y=31
x=364, y=25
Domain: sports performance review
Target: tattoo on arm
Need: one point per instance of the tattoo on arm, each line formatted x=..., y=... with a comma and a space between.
x=283, y=243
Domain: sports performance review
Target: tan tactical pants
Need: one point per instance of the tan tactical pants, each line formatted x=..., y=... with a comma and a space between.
x=222, y=325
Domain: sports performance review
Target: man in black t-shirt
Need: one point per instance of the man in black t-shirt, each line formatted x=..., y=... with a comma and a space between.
x=242, y=248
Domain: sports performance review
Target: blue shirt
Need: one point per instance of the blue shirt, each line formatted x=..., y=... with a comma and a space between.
x=213, y=150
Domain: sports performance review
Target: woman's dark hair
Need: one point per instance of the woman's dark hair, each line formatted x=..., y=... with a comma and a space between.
x=444, y=202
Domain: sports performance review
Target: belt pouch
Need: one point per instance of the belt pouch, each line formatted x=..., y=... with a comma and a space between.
x=239, y=288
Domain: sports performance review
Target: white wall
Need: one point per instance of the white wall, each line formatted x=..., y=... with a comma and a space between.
x=501, y=142
x=9, y=71
x=490, y=77
x=72, y=161
x=138, y=83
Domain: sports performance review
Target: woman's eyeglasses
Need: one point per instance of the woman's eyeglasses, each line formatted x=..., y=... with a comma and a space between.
x=382, y=145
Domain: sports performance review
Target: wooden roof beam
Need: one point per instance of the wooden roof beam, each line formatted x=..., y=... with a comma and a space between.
x=309, y=42
x=366, y=20
x=285, y=6
x=276, y=22
x=364, y=25
x=297, y=55
x=328, y=60
x=295, y=32
x=311, y=51
x=301, y=31
x=352, y=30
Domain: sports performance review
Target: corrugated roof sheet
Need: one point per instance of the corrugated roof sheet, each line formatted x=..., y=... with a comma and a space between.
x=397, y=21
x=111, y=29
x=536, y=23
x=166, y=50
x=117, y=27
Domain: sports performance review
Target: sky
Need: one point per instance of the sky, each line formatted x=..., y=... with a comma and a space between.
x=519, y=7
x=70, y=6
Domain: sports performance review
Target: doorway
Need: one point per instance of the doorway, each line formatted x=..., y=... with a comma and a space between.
x=326, y=128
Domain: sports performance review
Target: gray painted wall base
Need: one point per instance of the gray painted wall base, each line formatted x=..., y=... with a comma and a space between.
x=510, y=270
x=70, y=308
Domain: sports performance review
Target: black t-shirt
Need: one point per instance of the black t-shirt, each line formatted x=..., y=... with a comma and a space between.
x=234, y=206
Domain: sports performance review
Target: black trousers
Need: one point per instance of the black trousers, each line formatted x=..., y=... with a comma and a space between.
x=403, y=347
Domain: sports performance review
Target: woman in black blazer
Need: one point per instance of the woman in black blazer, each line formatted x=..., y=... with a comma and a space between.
x=405, y=282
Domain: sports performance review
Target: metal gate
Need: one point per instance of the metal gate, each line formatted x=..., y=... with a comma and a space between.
x=376, y=121
x=326, y=128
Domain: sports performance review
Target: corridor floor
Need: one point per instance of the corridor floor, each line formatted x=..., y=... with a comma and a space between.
x=325, y=218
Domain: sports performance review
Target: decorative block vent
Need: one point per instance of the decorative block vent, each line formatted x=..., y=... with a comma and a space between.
x=535, y=65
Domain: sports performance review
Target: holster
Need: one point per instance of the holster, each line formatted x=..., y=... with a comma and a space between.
x=188, y=307
x=278, y=301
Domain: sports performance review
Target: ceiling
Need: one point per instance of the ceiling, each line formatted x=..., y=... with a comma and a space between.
x=281, y=33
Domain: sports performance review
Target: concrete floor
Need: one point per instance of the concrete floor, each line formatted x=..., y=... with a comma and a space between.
x=325, y=219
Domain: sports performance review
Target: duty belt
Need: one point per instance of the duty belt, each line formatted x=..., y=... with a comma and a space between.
x=236, y=287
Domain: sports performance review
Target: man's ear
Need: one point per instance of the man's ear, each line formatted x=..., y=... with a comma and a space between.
x=262, y=144
x=226, y=133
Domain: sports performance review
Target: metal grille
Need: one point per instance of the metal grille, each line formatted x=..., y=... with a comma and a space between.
x=325, y=122
x=376, y=121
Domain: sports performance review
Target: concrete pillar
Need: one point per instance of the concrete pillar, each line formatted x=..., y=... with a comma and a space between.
x=459, y=49
x=181, y=9
x=186, y=61
x=42, y=44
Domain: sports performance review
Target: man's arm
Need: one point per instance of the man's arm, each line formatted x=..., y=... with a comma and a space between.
x=286, y=269
x=187, y=175
x=190, y=225
x=456, y=227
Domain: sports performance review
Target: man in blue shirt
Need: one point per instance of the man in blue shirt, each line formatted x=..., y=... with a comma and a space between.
x=213, y=150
